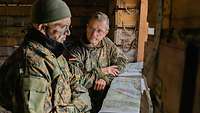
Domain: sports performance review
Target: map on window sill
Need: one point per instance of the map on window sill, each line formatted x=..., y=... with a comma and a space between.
x=123, y=96
x=132, y=70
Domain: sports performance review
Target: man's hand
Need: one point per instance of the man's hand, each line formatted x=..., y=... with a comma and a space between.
x=100, y=84
x=113, y=70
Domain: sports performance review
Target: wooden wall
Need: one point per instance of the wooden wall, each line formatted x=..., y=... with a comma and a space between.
x=123, y=14
x=15, y=18
x=126, y=26
x=171, y=71
x=177, y=14
x=81, y=10
x=165, y=64
x=196, y=108
x=185, y=14
x=165, y=74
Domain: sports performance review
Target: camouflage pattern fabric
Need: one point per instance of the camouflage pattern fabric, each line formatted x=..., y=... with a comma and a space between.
x=3, y=110
x=35, y=80
x=86, y=62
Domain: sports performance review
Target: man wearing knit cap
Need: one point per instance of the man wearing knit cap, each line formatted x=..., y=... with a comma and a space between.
x=36, y=77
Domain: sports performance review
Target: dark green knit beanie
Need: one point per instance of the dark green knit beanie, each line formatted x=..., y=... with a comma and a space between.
x=45, y=11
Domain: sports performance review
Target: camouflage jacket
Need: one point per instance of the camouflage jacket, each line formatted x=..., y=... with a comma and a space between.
x=36, y=79
x=87, y=61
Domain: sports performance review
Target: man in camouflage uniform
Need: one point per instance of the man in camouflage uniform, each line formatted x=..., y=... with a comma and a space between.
x=36, y=77
x=96, y=59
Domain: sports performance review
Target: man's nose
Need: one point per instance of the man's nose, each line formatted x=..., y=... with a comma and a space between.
x=94, y=33
x=67, y=32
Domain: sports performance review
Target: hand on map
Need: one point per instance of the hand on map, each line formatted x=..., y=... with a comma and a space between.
x=113, y=70
x=100, y=84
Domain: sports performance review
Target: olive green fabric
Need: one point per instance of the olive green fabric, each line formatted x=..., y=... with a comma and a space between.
x=45, y=11
x=34, y=80
x=86, y=62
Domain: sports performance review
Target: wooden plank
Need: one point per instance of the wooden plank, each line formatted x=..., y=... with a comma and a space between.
x=77, y=22
x=150, y=61
x=8, y=21
x=126, y=18
x=123, y=36
x=167, y=14
x=130, y=53
x=152, y=12
x=185, y=14
x=171, y=71
x=196, y=108
x=6, y=50
x=8, y=41
x=15, y=10
x=16, y=1
x=2, y=59
x=69, y=2
x=185, y=8
x=85, y=11
x=186, y=23
x=25, y=10
x=127, y=3
x=143, y=27
x=86, y=2
x=146, y=103
x=11, y=31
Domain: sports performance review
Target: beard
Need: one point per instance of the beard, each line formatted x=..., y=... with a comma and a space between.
x=59, y=39
x=94, y=41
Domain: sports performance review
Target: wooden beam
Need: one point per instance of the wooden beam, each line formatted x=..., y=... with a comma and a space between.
x=84, y=3
x=167, y=10
x=7, y=41
x=196, y=108
x=126, y=3
x=23, y=10
x=15, y=10
x=16, y=1
x=143, y=26
x=124, y=18
x=84, y=11
x=186, y=23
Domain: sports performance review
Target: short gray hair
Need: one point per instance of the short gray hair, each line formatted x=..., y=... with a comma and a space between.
x=100, y=16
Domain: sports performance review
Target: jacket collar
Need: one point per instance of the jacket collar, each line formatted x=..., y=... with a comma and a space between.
x=55, y=47
x=86, y=43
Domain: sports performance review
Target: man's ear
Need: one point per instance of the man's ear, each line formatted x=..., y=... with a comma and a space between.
x=106, y=32
x=37, y=26
x=40, y=27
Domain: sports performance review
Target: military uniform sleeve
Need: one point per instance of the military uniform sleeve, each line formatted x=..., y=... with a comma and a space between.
x=118, y=57
x=80, y=98
x=3, y=110
x=76, y=63
x=34, y=91
x=84, y=78
x=34, y=88
x=80, y=95
x=100, y=75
